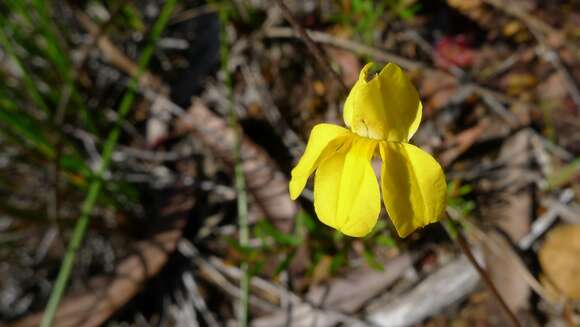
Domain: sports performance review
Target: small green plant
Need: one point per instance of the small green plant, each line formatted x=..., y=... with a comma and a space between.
x=365, y=16
x=458, y=197
x=404, y=9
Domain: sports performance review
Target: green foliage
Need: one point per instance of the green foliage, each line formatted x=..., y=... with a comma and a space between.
x=404, y=9
x=42, y=83
x=567, y=174
x=273, y=243
x=321, y=241
x=457, y=197
x=271, y=235
x=132, y=17
x=365, y=16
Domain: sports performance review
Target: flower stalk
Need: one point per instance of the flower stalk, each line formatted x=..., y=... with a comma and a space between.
x=455, y=233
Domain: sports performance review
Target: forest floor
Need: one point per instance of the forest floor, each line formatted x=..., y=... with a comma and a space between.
x=84, y=111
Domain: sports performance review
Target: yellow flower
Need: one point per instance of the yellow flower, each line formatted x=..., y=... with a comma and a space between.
x=383, y=113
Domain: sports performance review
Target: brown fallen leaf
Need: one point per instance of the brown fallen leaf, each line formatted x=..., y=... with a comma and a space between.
x=559, y=259
x=511, y=210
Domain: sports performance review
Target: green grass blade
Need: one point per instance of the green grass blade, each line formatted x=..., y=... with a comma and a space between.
x=27, y=130
x=96, y=185
x=50, y=31
x=28, y=81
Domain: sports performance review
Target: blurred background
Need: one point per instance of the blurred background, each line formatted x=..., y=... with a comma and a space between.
x=128, y=129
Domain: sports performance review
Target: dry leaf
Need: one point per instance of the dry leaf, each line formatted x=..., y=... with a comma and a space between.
x=515, y=83
x=510, y=210
x=559, y=259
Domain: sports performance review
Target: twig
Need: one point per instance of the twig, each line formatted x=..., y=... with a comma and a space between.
x=544, y=222
x=361, y=49
x=272, y=112
x=502, y=248
x=552, y=57
x=210, y=273
x=198, y=300
x=456, y=234
x=96, y=185
x=385, y=56
x=192, y=13
x=569, y=213
x=316, y=52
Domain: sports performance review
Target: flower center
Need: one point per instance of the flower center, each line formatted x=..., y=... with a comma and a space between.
x=362, y=128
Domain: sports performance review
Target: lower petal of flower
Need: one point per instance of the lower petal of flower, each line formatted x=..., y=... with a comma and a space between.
x=414, y=187
x=346, y=192
x=319, y=144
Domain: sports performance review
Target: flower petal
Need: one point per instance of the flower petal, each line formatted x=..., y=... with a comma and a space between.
x=346, y=191
x=320, y=138
x=387, y=107
x=414, y=187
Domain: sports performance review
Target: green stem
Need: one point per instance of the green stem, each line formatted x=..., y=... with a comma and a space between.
x=97, y=183
x=240, y=183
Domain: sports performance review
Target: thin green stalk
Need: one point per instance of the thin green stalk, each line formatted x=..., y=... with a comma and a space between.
x=240, y=183
x=97, y=183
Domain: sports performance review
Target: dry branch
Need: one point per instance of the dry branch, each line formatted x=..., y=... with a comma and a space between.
x=446, y=286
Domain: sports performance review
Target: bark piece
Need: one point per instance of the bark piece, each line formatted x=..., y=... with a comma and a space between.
x=446, y=286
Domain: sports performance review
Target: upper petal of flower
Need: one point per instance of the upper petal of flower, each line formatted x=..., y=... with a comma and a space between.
x=346, y=191
x=414, y=187
x=321, y=137
x=387, y=107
